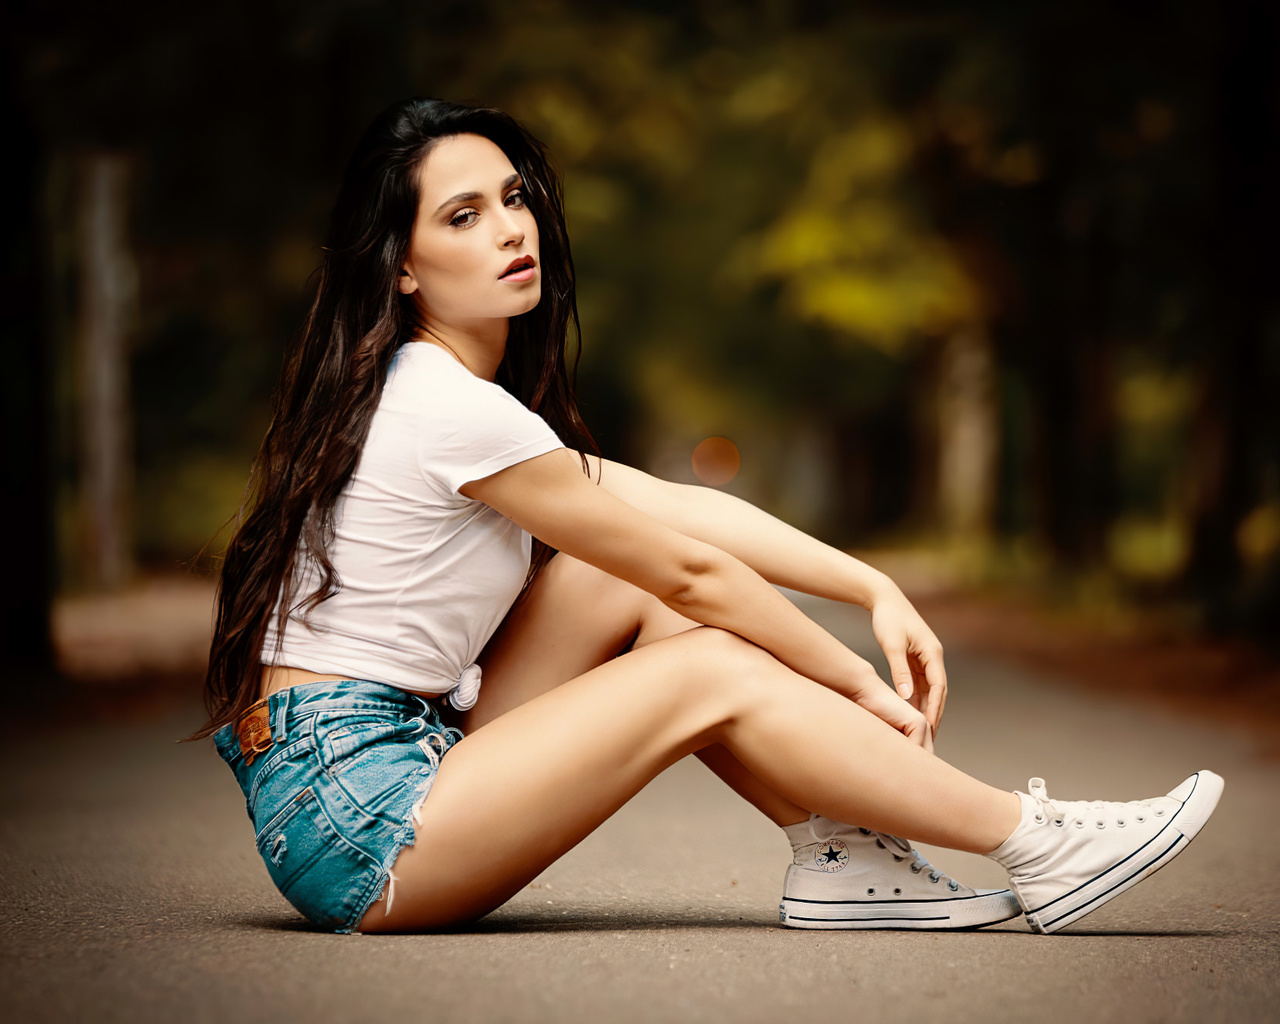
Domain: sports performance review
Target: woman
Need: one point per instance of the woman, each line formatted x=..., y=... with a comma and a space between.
x=418, y=444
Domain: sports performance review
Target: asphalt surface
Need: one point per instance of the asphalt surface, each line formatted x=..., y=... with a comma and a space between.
x=132, y=892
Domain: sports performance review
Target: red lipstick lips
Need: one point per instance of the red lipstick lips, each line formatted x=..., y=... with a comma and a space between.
x=518, y=264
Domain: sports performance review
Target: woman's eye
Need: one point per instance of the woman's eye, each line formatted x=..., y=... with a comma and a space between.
x=458, y=218
x=517, y=195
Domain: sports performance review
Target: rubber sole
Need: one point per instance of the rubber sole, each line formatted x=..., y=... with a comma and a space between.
x=987, y=906
x=1183, y=826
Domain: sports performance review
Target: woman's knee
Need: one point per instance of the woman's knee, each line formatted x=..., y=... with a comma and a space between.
x=646, y=615
x=722, y=664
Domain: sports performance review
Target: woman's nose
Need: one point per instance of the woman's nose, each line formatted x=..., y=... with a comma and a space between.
x=511, y=231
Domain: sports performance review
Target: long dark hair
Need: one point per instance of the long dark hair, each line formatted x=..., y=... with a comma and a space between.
x=335, y=368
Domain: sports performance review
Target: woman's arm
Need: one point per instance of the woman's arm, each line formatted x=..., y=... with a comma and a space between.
x=791, y=558
x=551, y=498
x=780, y=553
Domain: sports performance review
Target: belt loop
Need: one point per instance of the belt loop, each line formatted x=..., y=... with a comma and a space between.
x=282, y=710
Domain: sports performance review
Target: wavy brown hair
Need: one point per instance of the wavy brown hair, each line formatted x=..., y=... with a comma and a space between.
x=336, y=366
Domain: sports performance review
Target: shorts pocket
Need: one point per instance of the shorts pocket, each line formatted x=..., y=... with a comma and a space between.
x=322, y=874
x=340, y=739
x=380, y=782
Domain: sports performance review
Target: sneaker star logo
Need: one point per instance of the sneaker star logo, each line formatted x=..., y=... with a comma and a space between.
x=830, y=856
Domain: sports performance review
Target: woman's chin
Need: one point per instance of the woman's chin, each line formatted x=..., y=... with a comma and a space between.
x=530, y=302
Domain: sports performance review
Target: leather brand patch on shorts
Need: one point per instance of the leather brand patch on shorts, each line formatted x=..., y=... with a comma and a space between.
x=253, y=731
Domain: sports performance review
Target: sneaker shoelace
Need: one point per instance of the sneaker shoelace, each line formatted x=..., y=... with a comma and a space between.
x=1081, y=812
x=900, y=850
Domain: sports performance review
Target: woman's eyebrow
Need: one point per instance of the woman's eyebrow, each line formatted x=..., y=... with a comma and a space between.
x=466, y=197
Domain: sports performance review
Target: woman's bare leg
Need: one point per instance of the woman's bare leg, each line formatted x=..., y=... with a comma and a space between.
x=574, y=618
x=522, y=790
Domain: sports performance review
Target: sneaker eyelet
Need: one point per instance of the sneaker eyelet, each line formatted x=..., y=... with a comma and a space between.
x=1079, y=823
x=865, y=831
x=1120, y=822
x=897, y=859
x=871, y=892
x=1101, y=823
x=1159, y=814
x=897, y=892
x=1141, y=819
x=953, y=886
x=1059, y=822
x=915, y=870
x=1039, y=819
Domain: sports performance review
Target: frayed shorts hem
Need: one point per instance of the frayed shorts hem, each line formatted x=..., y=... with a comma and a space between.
x=384, y=881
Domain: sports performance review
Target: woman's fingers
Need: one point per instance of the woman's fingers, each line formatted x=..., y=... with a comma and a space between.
x=922, y=733
x=920, y=698
x=935, y=675
x=929, y=692
x=888, y=706
x=900, y=670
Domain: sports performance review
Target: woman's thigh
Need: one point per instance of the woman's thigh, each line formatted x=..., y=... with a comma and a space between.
x=518, y=793
x=573, y=618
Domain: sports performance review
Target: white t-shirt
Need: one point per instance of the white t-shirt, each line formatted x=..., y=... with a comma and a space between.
x=426, y=573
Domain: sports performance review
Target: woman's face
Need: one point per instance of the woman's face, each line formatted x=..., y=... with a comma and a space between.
x=472, y=223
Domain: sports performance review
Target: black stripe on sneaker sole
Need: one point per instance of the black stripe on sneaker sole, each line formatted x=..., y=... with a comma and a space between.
x=1134, y=877
x=1137, y=852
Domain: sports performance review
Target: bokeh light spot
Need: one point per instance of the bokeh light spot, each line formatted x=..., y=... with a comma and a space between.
x=716, y=461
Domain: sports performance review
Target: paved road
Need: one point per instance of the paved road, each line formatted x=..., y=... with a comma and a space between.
x=132, y=892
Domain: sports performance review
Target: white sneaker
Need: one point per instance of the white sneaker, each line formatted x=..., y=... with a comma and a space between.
x=856, y=878
x=1066, y=859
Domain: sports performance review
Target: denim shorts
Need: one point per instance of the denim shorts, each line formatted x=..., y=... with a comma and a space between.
x=334, y=793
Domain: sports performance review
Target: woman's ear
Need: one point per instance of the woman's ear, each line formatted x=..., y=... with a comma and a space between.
x=406, y=282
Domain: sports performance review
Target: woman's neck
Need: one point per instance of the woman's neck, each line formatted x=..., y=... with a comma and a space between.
x=480, y=352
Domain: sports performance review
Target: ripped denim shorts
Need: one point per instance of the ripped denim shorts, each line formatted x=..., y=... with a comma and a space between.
x=333, y=775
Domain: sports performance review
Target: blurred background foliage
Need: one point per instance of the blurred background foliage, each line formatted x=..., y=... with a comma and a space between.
x=991, y=280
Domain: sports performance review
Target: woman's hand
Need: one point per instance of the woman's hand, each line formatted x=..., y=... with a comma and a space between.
x=913, y=652
x=870, y=693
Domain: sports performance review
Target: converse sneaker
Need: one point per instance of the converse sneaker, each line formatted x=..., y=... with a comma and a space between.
x=1066, y=859
x=847, y=877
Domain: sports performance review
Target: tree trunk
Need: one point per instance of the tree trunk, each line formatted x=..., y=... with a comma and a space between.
x=967, y=435
x=107, y=290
